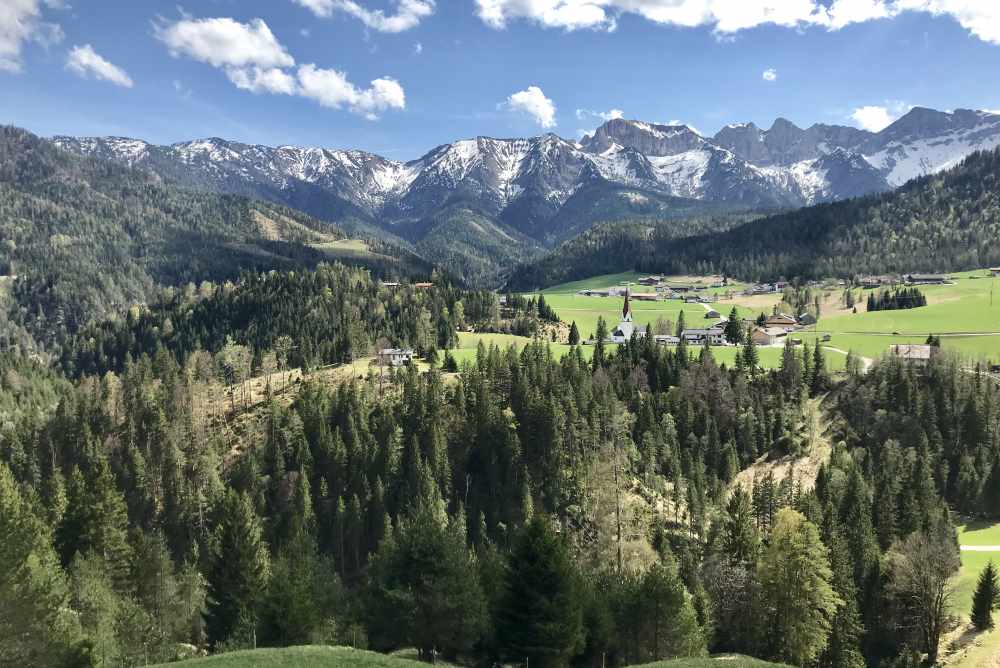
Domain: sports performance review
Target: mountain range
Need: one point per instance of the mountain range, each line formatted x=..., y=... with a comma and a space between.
x=481, y=204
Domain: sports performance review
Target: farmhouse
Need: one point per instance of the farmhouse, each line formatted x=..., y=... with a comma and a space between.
x=646, y=297
x=807, y=319
x=768, y=336
x=995, y=271
x=696, y=337
x=712, y=313
x=395, y=356
x=918, y=354
x=926, y=279
x=781, y=320
x=666, y=339
x=650, y=281
x=872, y=282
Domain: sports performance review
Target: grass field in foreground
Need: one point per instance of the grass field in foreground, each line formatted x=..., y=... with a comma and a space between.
x=345, y=657
x=307, y=656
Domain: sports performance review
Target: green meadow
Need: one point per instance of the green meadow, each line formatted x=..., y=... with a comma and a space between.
x=965, y=314
x=976, y=533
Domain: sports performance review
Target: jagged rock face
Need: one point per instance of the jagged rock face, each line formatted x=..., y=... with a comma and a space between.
x=625, y=168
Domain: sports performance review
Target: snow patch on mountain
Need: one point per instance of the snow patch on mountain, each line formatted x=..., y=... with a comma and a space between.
x=903, y=161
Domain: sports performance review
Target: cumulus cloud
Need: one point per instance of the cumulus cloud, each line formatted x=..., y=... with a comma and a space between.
x=408, y=14
x=584, y=114
x=418, y=48
x=878, y=117
x=770, y=74
x=20, y=22
x=255, y=61
x=979, y=17
x=224, y=42
x=261, y=80
x=532, y=101
x=332, y=89
x=87, y=63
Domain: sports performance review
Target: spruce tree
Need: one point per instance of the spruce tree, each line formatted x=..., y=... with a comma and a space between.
x=540, y=616
x=986, y=598
x=239, y=576
x=574, y=334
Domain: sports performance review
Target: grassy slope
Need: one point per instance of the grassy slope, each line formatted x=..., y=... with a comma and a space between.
x=345, y=657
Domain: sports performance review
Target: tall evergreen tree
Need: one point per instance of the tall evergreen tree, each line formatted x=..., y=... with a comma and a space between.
x=986, y=598
x=540, y=615
x=239, y=575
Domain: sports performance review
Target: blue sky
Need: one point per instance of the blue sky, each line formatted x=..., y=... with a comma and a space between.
x=301, y=71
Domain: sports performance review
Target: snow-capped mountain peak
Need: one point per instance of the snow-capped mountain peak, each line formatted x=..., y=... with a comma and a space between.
x=527, y=181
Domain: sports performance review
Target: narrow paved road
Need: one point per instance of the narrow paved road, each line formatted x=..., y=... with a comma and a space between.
x=866, y=362
x=980, y=548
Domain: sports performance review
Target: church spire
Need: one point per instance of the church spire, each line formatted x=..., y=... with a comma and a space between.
x=626, y=310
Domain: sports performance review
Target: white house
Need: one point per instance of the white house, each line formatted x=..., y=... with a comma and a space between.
x=715, y=336
x=395, y=356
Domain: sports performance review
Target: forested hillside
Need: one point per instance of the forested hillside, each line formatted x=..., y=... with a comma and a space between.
x=946, y=222
x=86, y=238
x=563, y=510
x=612, y=247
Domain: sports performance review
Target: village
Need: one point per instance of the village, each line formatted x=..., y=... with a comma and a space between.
x=772, y=331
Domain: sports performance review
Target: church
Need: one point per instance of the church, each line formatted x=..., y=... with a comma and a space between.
x=623, y=332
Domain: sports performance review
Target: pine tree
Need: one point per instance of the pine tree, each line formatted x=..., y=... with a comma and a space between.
x=574, y=334
x=751, y=358
x=239, y=576
x=540, y=617
x=740, y=539
x=734, y=328
x=986, y=598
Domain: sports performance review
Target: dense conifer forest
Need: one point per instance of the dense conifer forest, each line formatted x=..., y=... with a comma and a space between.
x=560, y=511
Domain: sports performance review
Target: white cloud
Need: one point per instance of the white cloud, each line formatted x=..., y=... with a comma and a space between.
x=87, y=63
x=979, y=17
x=770, y=74
x=254, y=60
x=409, y=13
x=877, y=117
x=332, y=89
x=223, y=42
x=260, y=80
x=20, y=22
x=533, y=102
x=418, y=48
x=584, y=114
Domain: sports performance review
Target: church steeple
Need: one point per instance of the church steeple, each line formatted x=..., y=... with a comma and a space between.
x=626, y=310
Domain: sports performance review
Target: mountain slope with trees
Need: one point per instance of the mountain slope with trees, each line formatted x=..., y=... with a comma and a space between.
x=87, y=238
x=946, y=222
